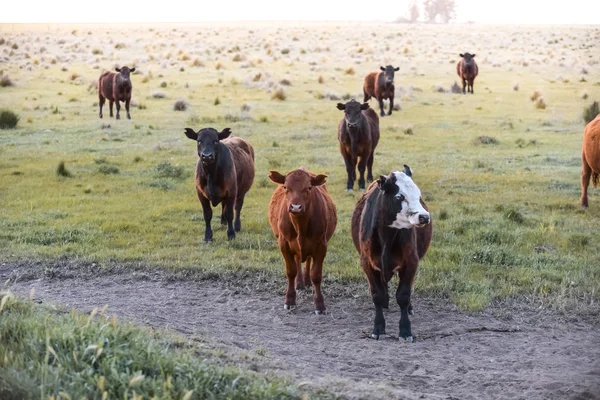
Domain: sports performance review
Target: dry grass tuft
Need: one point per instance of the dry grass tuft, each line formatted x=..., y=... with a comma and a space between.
x=180, y=105
x=279, y=94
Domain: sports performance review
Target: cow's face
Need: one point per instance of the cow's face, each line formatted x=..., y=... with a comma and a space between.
x=468, y=58
x=352, y=112
x=124, y=72
x=208, y=143
x=388, y=73
x=298, y=186
x=402, y=201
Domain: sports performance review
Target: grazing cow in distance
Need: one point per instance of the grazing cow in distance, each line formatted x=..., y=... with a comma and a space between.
x=590, y=158
x=391, y=229
x=467, y=70
x=115, y=88
x=224, y=174
x=358, y=134
x=381, y=86
x=303, y=217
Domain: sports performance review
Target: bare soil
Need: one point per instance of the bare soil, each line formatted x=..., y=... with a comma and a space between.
x=506, y=352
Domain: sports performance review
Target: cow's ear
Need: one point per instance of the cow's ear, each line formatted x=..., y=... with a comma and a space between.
x=381, y=68
x=118, y=69
x=276, y=177
x=461, y=55
x=407, y=170
x=224, y=133
x=387, y=184
x=318, y=180
x=190, y=133
x=341, y=106
x=381, y=181
x=364, y=106
x=397, y=69
x=473, y=55
x=132, y=70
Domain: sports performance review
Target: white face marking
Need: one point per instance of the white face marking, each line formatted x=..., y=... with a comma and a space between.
x=411, y=206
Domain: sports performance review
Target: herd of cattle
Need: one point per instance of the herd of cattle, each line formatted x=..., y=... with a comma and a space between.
x=391, y=226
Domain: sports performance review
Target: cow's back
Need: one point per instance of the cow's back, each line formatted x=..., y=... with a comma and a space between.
x=326, y=210
x=370, y=82
x=373, y=122
x=242, y=155
x=591, y=144
x=105, y=84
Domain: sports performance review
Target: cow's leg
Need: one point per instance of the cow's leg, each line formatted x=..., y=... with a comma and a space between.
x=370, y=167
x=291, y=270
x=361, y=173
x=316, y=275
x=223, y=219
x=464, y=85
x=350, y=170
x=403, y=298
x=391, y=105
x=229, y=217
x=471, y=86
x=239, y=202
x=127, y=108
x=110, y=104
x=101, y=103
x=381, y=106
x=207, y=210
x=307, y=269
x=300, y=277
x=118, y=108
x=586, y=174
x=366, y=96
x=377, y=289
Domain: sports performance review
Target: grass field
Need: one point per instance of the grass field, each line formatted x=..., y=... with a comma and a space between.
x=500, y=176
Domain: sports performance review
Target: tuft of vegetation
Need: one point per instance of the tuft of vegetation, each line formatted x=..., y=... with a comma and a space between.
x=158, y=94
x=62, y=170
x=349, y=71
x=486, y=140
x=5, y=81
x=97, y=52
x=180, y=105
x=516, y=86
x=108, y=169
x=168, y=170
x=540, y=104
x=455, y=88
x=217, y=101
x=535, y=96
x=279, y=94
x=321, y=80
x=8, y=119
x=590, y=112
x=197, y=63
x=285, y=82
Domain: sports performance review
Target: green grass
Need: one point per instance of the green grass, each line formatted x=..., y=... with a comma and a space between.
x=494, y=201
x=48, y=353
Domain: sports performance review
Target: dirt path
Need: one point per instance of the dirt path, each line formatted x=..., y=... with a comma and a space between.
x=522, y=355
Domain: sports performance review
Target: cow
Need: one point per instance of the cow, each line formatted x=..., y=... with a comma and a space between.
x=358, y=134
x=590, y=158
x=380, y=85
x=115, y=88
x=303, y=218
x=224, y=174
x=467, y=70
x=391, y=229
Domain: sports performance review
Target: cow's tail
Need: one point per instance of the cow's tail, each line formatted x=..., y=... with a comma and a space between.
x=595, y=178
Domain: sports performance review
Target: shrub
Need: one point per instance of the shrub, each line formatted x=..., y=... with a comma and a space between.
x=486, y=140
x=245, y=107
x=535, y=95
x=197, y=63
x=540, y=104
x=455, y=88
x=279, y=94
x=97, y=52
x=589, y=113
x=349, y=71
x=285, y=82
x=321, y=79
x=285, y=51
x=168, y=170
x=217, y=101
x=5, y=81
x=516, y=87
x=108, y=169
x=62, y=170
x=8, y=119
x=158, y=95
x=163, y=84
x=180, y=105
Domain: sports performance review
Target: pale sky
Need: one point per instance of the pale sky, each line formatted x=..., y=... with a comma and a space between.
x=482, y=11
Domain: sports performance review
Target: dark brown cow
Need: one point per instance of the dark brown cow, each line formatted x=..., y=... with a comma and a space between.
x=358, y=134
x=391, y=229
x=115, y=88
x=381, y=86
x=224, y=174
x=590, y=158
x=467, y=70
x=303, y=217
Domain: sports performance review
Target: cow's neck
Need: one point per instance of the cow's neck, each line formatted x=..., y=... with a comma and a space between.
x=301, y=224
x=356, y=134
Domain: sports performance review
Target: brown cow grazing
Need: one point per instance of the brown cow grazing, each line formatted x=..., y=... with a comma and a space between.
x=467, y=70
x=115, y=88
x=381, y=86
x=224, y=174
x=391, y=229
x=590, y=158
x=303, y=218
x=358, y=134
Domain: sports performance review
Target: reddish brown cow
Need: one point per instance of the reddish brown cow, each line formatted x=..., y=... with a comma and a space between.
x=224, y=174
x=467, y=70
x=358, y=134
x=381, y=86
x=303, y=217
x=391, y=229
x=115, y=88
x=590, y=158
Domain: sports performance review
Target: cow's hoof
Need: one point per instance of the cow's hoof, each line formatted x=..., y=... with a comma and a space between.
x=287, y=307
x=408, y=339
x=349, y=190
x=319, y=312
x=376, y=336
x=128, y=117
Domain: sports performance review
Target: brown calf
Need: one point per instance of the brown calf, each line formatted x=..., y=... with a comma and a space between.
x=467, y=70
x=381, y=86
x=224, y=174
x=590, y=158
x=303, y=217
x=115, y=88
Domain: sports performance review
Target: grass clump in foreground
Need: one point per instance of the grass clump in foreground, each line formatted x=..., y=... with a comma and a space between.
x=45, y=353
x=8, y=119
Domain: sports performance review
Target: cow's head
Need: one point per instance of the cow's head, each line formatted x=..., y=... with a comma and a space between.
x=208, y=143
x=298, y=185
x=352, y=112
x=468, y=58
x=402, y=206
x=124, y=71
x=388, y=73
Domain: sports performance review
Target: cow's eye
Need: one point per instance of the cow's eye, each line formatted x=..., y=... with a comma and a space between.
x=285, y=188
x=400, y=197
